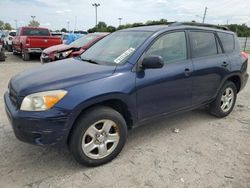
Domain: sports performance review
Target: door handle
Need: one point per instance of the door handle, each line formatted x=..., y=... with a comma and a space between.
x=187, y=72
x=224, y=64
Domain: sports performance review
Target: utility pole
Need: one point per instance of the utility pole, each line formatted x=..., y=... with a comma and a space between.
x=204, y=15
x=16, y=24
x=120, y=21
x=96, y=5
x=68, y=24
x=75, y=23
x=33, y=17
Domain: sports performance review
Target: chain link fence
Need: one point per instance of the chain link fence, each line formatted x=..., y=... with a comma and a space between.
x=245, y=43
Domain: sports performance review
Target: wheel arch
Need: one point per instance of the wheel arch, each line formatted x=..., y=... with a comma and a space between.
x=125, y=108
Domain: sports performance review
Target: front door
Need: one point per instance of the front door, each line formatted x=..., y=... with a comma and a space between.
x=168, y=89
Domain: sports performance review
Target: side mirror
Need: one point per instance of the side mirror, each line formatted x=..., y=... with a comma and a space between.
x=152, y=62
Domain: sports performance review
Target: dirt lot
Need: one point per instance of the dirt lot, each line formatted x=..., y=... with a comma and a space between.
x=207, y=152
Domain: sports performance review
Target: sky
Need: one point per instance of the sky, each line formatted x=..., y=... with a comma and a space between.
x=55, y=14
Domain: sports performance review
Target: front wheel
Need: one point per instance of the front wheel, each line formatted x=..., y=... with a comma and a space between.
x=225, y=100
x=98, y=136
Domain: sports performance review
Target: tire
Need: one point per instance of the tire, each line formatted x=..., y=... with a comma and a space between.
x=89, y=139
x=15, y=52
x=9, y=48
x=25, y=55
x=225, y=100
x=2, y=56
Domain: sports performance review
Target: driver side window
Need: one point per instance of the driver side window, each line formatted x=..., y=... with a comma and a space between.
x=171, y=47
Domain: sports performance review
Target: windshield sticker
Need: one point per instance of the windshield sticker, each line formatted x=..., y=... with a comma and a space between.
x=124, y=55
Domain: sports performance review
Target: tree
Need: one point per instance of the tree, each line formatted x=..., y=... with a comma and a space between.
x=7, y=26
x=111, y=29
x=1, y=25
x=63, y=30
x=34, y=23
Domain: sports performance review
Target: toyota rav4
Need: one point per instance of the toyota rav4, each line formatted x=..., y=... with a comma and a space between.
x=129, y=77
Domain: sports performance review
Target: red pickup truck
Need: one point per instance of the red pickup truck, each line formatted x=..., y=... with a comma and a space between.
x=33, y=40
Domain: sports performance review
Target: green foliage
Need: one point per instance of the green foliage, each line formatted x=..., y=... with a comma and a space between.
x=102, y=26
x=34, y=23
x=64, y=30
x=1, y=25
x=7, y=26
x=242, y=30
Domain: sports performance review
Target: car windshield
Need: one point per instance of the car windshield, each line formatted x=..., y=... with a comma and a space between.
x=83, y=40
x=116, y=48
x=12, y=34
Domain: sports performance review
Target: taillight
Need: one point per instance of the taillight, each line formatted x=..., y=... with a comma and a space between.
x=244, y=55
x=27, y=41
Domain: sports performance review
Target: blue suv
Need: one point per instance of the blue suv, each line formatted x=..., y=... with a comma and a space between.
x=131, y=76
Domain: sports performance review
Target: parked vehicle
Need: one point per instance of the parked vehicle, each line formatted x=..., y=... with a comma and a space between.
x=33, y=40
x=2, y=55
x=129, y=77
x=8, y=40
x=72, y=37
x=75, y=48
x=65, y=37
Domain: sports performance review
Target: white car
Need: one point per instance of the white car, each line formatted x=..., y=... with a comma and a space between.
x=8, y=39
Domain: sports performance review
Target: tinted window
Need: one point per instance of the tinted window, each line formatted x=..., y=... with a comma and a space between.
x=227, y=41
x=203, y=44
x=35, y=32
x=171, y=47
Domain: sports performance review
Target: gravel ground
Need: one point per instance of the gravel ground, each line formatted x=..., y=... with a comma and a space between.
x=206, y=152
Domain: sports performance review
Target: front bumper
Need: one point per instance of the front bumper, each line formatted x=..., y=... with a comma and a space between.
x=39, y=128
x=35, y=50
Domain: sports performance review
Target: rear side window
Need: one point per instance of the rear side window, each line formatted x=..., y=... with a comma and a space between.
x=227, y=41
x=35, y=32
x=203, y=44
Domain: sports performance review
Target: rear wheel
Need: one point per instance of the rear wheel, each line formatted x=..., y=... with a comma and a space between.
x=25, y=55
x=225, y=100
x=9, y=48
x=98, y=137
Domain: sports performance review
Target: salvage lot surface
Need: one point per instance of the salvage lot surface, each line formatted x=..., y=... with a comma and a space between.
x=206, y=152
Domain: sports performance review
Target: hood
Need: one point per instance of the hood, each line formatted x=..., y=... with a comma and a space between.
x=58, y=75
x=56, y=48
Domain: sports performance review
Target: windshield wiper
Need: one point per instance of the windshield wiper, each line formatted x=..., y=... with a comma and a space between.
x=89, y=60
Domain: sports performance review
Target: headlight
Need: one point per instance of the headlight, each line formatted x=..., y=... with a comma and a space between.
x=42, y=101
x=63, y=54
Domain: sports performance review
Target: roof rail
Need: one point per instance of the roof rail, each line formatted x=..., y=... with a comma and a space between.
x=201, y=25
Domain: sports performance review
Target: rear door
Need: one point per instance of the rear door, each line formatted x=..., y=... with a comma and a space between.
x=168, y=89
x=210, y=65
